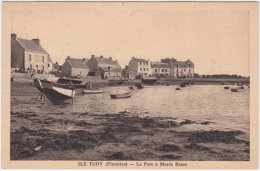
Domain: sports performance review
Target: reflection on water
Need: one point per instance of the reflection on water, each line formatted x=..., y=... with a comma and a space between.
x=199, y=103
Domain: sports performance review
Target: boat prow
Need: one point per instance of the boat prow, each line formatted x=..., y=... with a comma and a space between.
x=55, y=92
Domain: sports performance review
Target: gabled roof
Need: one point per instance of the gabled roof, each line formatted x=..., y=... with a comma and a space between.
x=30, y=45
x=160, y=65
x=77, y=63
x=102, y=60
x=49, y=60
x=183, y=62
x=139, y=60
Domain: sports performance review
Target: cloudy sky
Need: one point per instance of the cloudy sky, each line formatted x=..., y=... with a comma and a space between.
x=217, y=41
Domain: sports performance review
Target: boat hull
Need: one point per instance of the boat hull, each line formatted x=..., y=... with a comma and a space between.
x=55, y=92
x=120, y=96
x=92, y=91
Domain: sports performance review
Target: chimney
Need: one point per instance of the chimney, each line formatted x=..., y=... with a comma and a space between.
x=84, y=60
x=133, y=58
x=92, y=56
x=68, y=58
x=110, y=58
x=37, y=41
x=101, y=56
x=13, y=37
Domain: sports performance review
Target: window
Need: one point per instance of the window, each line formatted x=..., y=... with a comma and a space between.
x=42, y=58
x=177, y=70
x=30, y=57
x=189, y=70
x=144, y=69
x=155, y=70
x=177, y=67
x=184, y=69
x=48, y=65
x=147, y=69
x=140, y=69
x=162, y=70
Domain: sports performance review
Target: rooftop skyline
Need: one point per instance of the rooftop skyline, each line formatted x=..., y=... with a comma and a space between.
x=217, y=41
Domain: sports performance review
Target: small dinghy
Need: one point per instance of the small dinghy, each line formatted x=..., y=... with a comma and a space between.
x=120, y=96
x=226, y=87
x=131, y=88
x=93, y=91
x=238, y=89
x=178, y=88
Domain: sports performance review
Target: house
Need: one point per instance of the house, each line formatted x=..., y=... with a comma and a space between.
x=140, y=66
x=74, y=67
x=104, y=67
x=127, y=73
x=160, y=69
x=182, y=69
x=28, y=55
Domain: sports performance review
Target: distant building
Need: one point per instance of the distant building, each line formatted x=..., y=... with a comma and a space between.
x=140, y=66
x=74, y=67
x=128, y=73
x=104, y=67
x=160, y=69
x=182, y=69
x=28, y=55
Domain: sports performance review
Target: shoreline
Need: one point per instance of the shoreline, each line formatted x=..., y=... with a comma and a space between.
x=84, y=135
x=99, y=83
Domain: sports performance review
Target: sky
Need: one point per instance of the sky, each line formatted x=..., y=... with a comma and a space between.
x=217, y=41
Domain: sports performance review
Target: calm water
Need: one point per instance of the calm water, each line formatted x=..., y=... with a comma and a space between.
x=199, y=103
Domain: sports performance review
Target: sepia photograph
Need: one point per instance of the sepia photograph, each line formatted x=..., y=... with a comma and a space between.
x=130, y=84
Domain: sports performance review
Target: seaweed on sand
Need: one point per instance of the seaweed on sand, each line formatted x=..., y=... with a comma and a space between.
x=227, y=137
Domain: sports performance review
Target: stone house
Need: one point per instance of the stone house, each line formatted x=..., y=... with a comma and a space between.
x=104, y=67
x=74, y=67
x=28, y=55
x=140, y=66
x=160, y=69
x=182, y=69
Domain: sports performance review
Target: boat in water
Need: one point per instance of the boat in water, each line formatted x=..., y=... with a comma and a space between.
x=54, y=92
x=139, y=86
x=120, y=96
x=226, y=87
x=149, y=80
x=93, y=91
x=178, y=88
x=72, y=82
x=238, y=89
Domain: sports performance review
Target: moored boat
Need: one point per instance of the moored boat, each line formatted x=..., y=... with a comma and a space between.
x=54, y=92
x=93, y=91
x=226, y=87
x=72, y=82
x=139, y=85
x=178, y=88
x=120, y=96
x=237, y=89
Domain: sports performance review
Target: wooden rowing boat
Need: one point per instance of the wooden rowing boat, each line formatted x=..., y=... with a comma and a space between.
x=93, y=91
x=120, y=96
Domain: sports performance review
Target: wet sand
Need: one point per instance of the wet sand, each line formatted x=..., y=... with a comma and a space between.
x=114, y=136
